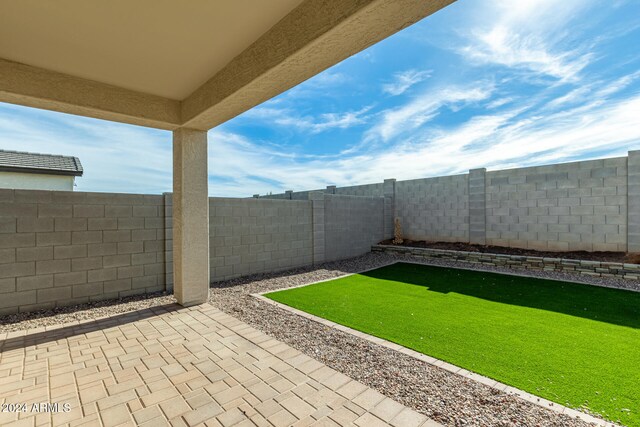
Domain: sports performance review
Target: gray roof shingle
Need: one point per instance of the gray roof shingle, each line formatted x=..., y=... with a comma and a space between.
x=17, y=161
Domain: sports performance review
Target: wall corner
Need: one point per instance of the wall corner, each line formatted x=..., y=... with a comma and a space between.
x=317, y=199
x=477, y=206
x=389, y=215
x=633, y=202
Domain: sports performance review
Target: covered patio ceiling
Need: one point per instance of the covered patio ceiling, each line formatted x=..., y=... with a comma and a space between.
x=169, y=64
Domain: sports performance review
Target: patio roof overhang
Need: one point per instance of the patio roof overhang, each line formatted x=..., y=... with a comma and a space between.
x=170, y=64
x=185, y=67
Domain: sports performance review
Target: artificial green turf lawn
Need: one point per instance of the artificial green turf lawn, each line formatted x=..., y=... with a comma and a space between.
x=575, y=344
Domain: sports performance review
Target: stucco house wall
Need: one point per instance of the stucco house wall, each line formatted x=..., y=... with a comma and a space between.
x=36, y=181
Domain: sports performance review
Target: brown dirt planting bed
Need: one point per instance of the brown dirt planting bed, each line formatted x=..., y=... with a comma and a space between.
x=467, y=247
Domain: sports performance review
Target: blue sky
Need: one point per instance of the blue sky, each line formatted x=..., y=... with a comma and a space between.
x=494, y=84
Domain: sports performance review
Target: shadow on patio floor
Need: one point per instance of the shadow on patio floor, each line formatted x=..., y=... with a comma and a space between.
x=16, y=340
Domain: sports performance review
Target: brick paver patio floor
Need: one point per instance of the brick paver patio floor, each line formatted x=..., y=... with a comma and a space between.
x=178, y=366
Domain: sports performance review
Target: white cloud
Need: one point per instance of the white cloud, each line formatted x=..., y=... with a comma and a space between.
x=592, y=94
x=506, y=47
x=571, y=97
x=327, y=78
x=340, y=120
x=424, y=108
x=317, y=85
x=529, y=35
x=617, y=85
x=323, y=122
x=499, y=102
x=404, y=80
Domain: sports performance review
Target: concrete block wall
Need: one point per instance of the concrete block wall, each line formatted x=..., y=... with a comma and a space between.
x=366, y=190
x=255, y=236
x=389, y=194
x=61, y=248
x=264, y=235
x=300, y=195
x=249, y=236
x=341, y=226
x=477, y=206
x=563, y=207
x=633, y=201
x=279, y=196
x=590, y=205
x=352, y=224
x=434, y=208
x=168, y=242
x=318, y=221
x=288, y=195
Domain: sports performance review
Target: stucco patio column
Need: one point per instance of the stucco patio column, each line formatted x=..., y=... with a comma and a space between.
x=190, y=217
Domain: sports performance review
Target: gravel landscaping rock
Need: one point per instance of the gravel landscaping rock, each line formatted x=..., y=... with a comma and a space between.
x=439, y=394
x=76, y=313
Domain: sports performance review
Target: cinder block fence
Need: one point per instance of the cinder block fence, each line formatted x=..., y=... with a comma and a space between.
x=249, y=236
x=590, y=205
x=60, y=248
x=63, y=248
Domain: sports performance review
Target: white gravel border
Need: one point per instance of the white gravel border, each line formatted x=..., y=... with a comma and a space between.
x=441, y=364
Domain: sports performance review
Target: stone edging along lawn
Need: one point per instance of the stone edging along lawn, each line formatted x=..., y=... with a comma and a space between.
x=544, y=403
x=521, y=262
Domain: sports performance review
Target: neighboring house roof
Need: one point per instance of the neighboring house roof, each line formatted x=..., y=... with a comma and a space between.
x=17, y=161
